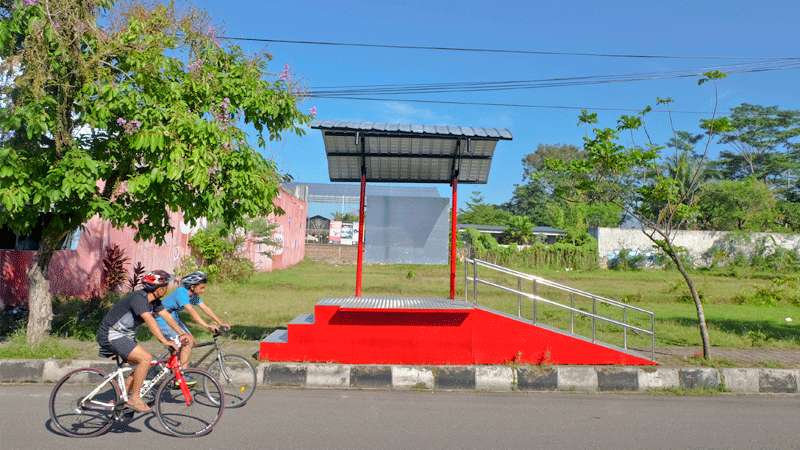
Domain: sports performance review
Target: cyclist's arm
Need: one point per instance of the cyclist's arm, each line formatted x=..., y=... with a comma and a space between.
x=196, y=317
x=171, y=322
x=210, y=313
x=151, y=323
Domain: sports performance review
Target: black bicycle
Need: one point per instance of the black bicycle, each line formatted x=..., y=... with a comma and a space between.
x=235, y=373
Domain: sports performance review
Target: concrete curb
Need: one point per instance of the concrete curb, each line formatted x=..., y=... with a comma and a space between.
x=481, y=378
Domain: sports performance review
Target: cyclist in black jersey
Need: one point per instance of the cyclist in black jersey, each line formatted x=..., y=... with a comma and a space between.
x=117, y=332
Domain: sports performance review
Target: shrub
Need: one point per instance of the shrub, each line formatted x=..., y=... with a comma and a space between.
x=216, y=252
x=627, y=259
x=114, y=272
x=78, y=318
x=138, y=271
x=780, y=290
x=553, y=256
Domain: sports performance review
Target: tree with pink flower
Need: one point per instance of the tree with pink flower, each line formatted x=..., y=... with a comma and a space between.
x=165, y=103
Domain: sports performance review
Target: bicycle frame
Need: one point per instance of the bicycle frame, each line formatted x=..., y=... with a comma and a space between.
x=172, y=365
x=216, y=348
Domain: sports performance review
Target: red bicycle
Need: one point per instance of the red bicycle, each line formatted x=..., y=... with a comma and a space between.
x=86, y=402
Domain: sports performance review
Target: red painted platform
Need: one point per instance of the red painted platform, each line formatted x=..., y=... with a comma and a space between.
x=428, y=331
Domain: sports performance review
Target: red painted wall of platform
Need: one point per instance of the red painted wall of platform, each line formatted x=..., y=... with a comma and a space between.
x=470, y=336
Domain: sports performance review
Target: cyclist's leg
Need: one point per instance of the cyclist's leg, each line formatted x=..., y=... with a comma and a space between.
x=186, y=349
x=141, y=358
x=169, y=333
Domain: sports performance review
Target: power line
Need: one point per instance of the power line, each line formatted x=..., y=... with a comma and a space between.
x=511, y=105
x=496, y=50
x=483, y=86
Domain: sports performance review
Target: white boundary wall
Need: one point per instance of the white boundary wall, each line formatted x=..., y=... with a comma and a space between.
x=611, y=240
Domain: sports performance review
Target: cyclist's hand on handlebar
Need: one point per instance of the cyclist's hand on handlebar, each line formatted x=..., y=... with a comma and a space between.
x=185, y=338
x=225, y=326
x=213, y=329
x=173, y=346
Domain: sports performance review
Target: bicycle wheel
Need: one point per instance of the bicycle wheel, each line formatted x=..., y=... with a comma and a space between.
x=198, y=415
x=237, y=377
x=78, y=418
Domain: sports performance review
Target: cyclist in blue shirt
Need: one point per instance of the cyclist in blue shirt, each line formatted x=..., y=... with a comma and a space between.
x=187, y=297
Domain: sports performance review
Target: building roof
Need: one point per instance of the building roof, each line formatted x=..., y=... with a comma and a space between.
x=408, y=153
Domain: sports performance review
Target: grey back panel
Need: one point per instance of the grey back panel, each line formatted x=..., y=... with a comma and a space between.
x=406, y=230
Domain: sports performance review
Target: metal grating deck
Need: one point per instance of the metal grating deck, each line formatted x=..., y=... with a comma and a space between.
x=394, y=303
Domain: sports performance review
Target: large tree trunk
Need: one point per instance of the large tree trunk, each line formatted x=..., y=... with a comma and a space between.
x=40, y=301
x=701, y=315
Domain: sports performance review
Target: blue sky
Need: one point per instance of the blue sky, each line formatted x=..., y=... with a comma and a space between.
x=731, y=27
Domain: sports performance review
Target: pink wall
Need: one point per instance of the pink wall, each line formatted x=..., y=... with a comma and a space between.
x=78, y=272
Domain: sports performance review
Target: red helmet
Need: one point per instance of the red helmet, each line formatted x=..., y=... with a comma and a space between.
x=155, y=279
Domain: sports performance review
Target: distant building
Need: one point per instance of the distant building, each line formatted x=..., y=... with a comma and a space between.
x=548, y=235
x=317, y=229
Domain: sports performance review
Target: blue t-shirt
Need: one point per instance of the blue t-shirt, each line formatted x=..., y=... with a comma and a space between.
x=176, y=301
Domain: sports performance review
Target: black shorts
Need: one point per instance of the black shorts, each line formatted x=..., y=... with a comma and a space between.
x=122, y=346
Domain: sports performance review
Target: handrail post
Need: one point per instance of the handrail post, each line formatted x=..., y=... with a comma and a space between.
x=594, y=319
x=653, y=337
x=625, y=328
x=475, y=280
x=572, y=313
x=519, y=297
x=467, y=255
x=535, y=294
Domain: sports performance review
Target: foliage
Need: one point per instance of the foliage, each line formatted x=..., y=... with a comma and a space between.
x=664, y=261
x=262, y=232
x=78, y=318
x=212, y=244
x=534, y=162
x=743, y=251
x=764, y=142
x=627, y=259
x=144, y=99
x=519, y=230
x=743, y=205
x=114, y=272
x=345, y=217
x=537, y=199
x=478, y=241
x=216, y=250
x=781, y=289
x=479, y=212
x=539, y=255
x=663, y=200
x=136, y=276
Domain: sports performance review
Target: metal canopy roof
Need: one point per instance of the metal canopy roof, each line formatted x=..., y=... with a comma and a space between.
x=408, y=153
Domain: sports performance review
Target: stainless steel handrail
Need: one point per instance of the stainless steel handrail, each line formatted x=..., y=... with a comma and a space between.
x=536, y=298
x=569, y=308
x=557, y=285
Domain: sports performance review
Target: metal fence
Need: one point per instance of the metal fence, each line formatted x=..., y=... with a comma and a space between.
x=519, y=289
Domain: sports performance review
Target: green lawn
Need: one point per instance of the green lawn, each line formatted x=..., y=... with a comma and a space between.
x=269, y=300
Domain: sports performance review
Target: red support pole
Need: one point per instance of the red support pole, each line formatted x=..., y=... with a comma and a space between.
x=453, y=231
x=361, y=232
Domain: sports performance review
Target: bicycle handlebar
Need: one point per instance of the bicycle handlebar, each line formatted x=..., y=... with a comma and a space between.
x=221, y=331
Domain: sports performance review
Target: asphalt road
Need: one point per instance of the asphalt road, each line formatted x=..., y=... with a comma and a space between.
x=384, y=419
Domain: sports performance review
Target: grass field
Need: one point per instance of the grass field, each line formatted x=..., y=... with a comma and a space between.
x=269, y=300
